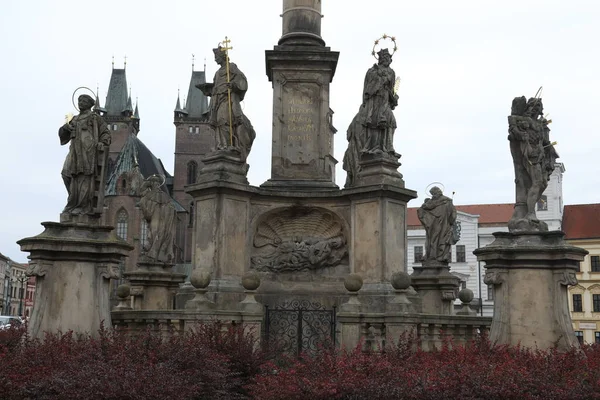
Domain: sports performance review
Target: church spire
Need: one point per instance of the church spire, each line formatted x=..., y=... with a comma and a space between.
x=136, y=113
x=116, y=96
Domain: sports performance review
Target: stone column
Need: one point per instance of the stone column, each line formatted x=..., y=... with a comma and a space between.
x=301, y=68
x=531, y=272
x=436, y=286
x=73, y=264
x=154, y=285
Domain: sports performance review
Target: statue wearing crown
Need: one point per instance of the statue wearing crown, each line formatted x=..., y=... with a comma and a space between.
x=233, y=129
x=372, y=129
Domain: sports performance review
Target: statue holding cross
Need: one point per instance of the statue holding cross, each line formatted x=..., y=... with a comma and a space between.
x=233, y=129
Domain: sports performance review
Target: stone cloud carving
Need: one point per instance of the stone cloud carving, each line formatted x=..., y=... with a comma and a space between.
x=297, y=239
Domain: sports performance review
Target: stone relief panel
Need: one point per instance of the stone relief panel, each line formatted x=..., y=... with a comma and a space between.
x=297, y=239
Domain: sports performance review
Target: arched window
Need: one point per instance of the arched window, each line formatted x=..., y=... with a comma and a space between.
x=143, y=233
x=192, y=170
x=122, y=224
x=191, y=221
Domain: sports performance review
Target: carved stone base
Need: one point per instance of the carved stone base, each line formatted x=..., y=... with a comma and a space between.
x=153, y=285
x=530, y=273
x=224, y=165
x=379, y=169
x=436, y=287
x=73, y=265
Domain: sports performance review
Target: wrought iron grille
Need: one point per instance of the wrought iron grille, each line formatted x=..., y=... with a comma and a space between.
x=299, y=326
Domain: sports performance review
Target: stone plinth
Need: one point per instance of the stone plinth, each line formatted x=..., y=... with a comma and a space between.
x=379, y=170
x=359, y=230
x=73, y=264
x=302, y=137
x=224, y=166
x=153, y=285
x=530, y=273
x=436, y=287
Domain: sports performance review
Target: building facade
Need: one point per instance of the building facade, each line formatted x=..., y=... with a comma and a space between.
x=582, y=229
x=477, y=224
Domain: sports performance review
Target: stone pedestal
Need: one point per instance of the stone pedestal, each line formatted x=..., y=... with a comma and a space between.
x=379, y=170
x=73, y=264
x=530, y=273
x=224, y=165
x=153, y=285
x=436, y=287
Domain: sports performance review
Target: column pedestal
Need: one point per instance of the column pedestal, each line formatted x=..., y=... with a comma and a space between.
x=73, y=264
x=436, y=286
x=154, y=285
x=530, y=273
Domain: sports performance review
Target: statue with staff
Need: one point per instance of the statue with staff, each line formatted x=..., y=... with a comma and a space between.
x=234, y=132
x=84, y=168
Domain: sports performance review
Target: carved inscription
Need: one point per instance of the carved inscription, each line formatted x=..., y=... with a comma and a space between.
x=301, y=121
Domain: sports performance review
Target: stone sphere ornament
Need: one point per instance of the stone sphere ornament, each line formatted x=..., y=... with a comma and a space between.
x=466, y=295
x=400, y=280
x=200, y=278
x=353, y=283
x=123, y=291
x=250, y=280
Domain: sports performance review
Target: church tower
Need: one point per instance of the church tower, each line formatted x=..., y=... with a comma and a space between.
x=193, y=139
x=119, y=114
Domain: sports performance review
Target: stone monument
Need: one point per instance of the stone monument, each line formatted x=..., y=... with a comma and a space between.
x=433, y=280
x=234, y=133
x=74, y=260
x=530, y=267
x=298, y=231
x=153, y=283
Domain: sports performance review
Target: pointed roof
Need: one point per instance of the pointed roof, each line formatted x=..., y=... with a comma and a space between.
x=135, y=154
x=136, y=113
x=129, y=107
x=116, y=97
x=178, y=105
x=197, y=103
x=98, y=106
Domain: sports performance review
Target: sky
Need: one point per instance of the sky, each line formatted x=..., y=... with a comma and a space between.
x=460, y=62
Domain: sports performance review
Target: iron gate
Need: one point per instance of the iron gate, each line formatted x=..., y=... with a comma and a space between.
x=299, y=326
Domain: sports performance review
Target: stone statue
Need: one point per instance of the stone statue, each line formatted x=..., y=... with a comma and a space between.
x=438, y=216
x=89, y=136
x=372, y=129
x=161, y=216
x=241, y=136
x=533, y=158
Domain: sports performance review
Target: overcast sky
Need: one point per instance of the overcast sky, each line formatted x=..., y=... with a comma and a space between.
x=461, y=63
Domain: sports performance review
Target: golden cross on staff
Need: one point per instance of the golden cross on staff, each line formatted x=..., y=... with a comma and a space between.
x=226, y=49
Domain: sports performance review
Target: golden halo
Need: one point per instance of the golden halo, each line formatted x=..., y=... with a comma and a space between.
x=392, y=38
x=95, y=96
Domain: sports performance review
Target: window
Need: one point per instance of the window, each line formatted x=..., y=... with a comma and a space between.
x=542, y=204
x=490, y=292
x=114, y=127
x=191, y=129
x=578, y=267
x=197, y=129
x=461, y=254
x=418, y=254
x=143, y=234
x=596, y=302
x=192, y=169
x=122, y=224
x=577, y=304
x=579, y=336
x=596, y=337
x=595, y=261
x=191, y=221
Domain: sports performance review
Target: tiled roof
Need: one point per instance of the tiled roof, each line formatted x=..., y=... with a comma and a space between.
x=581, y=221
x=488, y=213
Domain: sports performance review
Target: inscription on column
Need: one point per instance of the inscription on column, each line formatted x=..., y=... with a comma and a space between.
x=301, y=121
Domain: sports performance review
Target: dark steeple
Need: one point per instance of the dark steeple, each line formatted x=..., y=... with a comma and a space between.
x=136, y=113
x=197, y=103
x=98, y=107
x=129, y=107
x=116, y=97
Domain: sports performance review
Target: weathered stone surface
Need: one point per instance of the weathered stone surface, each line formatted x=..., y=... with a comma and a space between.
x=537, y=318
x=534, y=157
x=438, y=216
x=73, y=265
x=353, y=283
x=153, y=285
